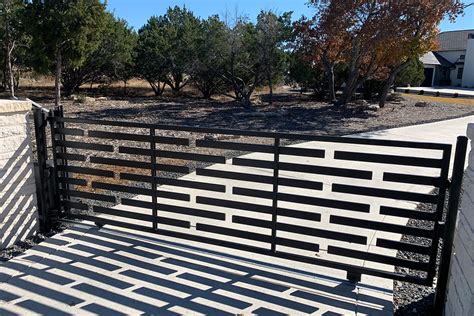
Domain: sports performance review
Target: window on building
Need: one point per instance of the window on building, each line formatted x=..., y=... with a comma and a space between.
x=460, y=72
x=462, y=57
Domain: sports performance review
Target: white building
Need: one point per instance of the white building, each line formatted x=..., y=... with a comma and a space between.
x=453, y=63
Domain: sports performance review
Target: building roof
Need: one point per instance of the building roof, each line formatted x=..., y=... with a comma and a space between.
x=454, y=40
x=433, y=58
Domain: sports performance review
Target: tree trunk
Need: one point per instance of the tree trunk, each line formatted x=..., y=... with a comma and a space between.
x=125, y=87
x=332, y=90
x=11, y=78
x=57, y=80
x=270, y=85
x=389, y=82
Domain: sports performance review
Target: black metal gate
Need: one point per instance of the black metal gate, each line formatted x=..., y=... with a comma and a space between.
x=338, y=202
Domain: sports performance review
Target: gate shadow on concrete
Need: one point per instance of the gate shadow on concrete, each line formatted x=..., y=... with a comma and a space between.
x=85, y=269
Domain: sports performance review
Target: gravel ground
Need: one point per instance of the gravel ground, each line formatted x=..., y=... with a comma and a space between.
x=298, y=114
x=412, y=299
x=288, y=114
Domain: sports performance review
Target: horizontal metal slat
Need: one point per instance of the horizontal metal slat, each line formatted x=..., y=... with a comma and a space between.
x=384, y=193
x=259, y=178
x=85, y=170
x=139, y=137
x=302, y=230
x=258, y=208
x=412, y=179
x=120, y=136
x=304, y=184
x=73, y=181
x=171, y=140
x=175, y=182
x=121, y=162
x=87, y=195
x=90, y=146
x=301, y=199
x=235, y=146
x=234, y=175
x=403, y=246
x=233, y=233
x=134, y=151
x=234, y=204
x=69, y=131
x=389, y=159
x=72, y=157
x=368, y=256
x=189, y=156
x=399, y=212
x=122, y=213
x=297, y=244
x=143, y=191
x=373, y=225
x=253, y=163
x=305, y=152
x=310, y=216
x=329, y=171
x=191, y=184
x=175, y=209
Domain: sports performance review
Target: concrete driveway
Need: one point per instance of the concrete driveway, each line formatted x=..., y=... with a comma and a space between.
x=111, y=271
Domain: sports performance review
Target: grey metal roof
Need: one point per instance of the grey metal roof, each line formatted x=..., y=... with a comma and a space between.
x=429, y=59
x=433, y=58
x=453, y=40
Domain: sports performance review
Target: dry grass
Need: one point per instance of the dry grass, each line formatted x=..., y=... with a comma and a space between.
x=428, y=98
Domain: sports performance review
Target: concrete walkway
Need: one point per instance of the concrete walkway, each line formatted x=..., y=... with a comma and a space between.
x=86, y=270
x=443, y=91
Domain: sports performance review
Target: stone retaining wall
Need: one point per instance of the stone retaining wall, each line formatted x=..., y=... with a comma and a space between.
x=18, y=208
x=460, y=298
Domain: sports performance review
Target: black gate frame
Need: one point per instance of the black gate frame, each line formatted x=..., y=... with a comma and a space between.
x=50, y=197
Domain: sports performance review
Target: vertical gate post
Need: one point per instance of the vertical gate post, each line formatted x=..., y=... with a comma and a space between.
x=153, y=179
x=44, y=207
x=450, y=226
x=276, y=168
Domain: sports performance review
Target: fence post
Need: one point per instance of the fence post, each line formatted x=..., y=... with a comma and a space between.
x=450, y=226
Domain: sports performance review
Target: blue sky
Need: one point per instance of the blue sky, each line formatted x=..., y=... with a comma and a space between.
x=137, y=12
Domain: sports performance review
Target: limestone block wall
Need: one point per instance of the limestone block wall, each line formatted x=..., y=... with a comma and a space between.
x=460, y=297
x=18, y=208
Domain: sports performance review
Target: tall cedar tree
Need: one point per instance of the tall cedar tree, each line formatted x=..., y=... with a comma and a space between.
x=166, y=49
x=64, y=33
x=13, y=40
x=112, y=60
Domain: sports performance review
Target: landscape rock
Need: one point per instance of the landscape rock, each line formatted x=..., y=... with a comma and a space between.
x=422, y=104
x=373, y=107
x=101, y=99
x=361, y=102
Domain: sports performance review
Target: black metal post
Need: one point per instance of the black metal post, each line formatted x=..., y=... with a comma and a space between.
x=41, y=183
x=443, y=186
x=276, y=161
x=153, y=177
x=53, y=125
x=450, y=226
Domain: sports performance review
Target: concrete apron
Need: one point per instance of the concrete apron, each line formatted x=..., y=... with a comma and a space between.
x=323, y=289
